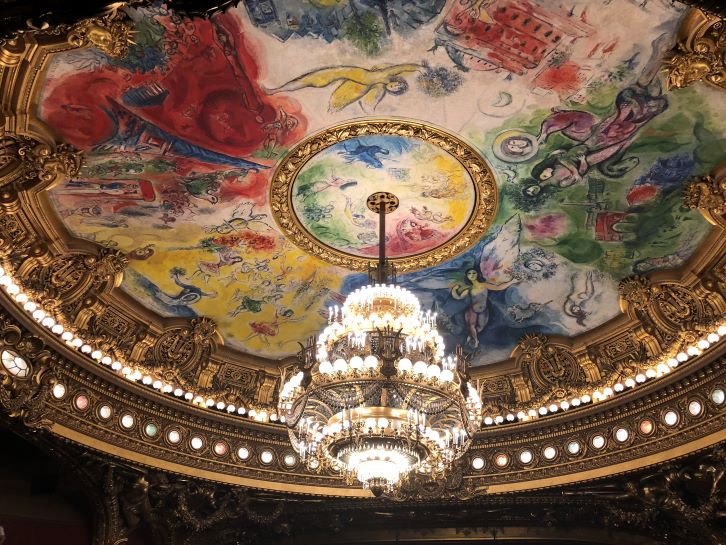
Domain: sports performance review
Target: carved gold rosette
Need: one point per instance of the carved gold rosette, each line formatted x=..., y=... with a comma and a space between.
x=485, y=189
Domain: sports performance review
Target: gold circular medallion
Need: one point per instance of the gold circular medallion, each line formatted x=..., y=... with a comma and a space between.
x=446, y=191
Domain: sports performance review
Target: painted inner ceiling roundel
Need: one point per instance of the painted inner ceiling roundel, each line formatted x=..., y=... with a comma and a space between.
x=447, y=194
x=564, y=101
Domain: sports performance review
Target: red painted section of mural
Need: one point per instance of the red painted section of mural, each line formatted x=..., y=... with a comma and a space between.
x=222, y=108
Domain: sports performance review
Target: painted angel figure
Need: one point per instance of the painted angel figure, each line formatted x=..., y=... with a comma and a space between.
x=464, y=304
x=355, y=84
x=494, y=273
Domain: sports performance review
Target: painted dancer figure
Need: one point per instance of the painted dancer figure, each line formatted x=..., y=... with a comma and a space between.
x=601, y=144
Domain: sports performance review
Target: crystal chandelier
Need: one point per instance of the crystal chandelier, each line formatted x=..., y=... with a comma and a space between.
x=376, y=397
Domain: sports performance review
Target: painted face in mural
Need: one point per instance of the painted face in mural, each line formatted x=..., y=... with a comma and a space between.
x=518, y=146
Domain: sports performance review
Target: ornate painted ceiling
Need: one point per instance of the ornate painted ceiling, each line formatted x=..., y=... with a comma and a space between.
x=182, y=138
x=182, y=198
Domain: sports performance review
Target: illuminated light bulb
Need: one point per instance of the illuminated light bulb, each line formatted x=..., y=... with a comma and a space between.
x=672, y=363
x=340, y=365
x=178, y=392
x=383, y=423
x=564, y=405
x=38, y=314
x=57, y=329
x=553, y=408
x=326, y=368
x=532, y=413
x=370, y=361
x=241, y=410
x=136, y=375
x=106, y=360
x=221, y=405
x=543, y=411
x=420, y=367
x=575, y=402
x=5, y=280
x=404, y=365
x=596, y=395
x=663, y=369
x=356, y=362
x=252, y=413
x=703, y=344
x=231, y=408
x=618, y=387
x=499, y=419
x=157, y=384
x=712, y=338
x=586, y=398
x=640, y=377
x=433, y=371
x=188, y=396
x=629, y=382
x=488, y=421
x=210, y=402
x=682, y=357
x=370, y=423
x=48, y=322
x=147, y=380
x=721, y=330
x=67, y=336
x=510, y=417
x=650, y=373
x=607, y=392
x=693, y=351
x=116, y=365
x=30, y=306
x=126, y=371
x=447, y=375
x=97, y=355
x=167, y=389
x=13, y=289
x=521, y=415
x=86, y=349
x=21, y=298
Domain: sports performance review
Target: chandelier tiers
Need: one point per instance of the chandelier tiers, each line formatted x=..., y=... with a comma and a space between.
x=375, y=397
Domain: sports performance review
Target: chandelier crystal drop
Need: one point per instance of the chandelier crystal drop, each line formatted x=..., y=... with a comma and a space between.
x=375, y=396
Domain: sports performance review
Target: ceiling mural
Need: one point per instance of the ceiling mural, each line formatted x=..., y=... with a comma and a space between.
x=564, y=102
x=437, y=193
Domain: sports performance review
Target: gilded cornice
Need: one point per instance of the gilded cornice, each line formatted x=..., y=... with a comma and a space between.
x=700, y=53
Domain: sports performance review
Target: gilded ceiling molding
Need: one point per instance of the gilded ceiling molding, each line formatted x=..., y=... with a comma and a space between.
x=700, y=54
x=25, y=397
x=110, y=32
x=708, y=194
x=26, y=162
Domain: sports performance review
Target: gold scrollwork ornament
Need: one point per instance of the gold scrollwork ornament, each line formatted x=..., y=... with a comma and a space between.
x=26, y=160
x=111, y=34
x=700, y=54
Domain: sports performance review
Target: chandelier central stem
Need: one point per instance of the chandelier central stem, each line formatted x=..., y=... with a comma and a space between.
x=382, y=203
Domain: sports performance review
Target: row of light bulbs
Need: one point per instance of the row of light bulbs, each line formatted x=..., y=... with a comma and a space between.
x=432, y=371
x=657, y=371
x=404, y=365
x=44, y=318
